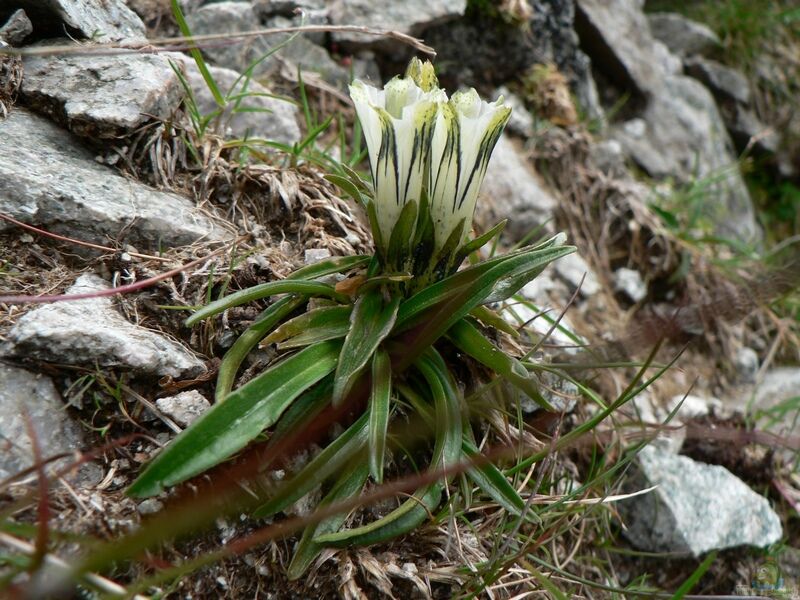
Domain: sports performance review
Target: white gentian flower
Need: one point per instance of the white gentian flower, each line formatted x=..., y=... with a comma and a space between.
x=421, y=142
x=466, y=132
x=398, y=125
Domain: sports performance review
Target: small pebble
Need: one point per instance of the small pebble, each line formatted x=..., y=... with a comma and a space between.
x=150, y=506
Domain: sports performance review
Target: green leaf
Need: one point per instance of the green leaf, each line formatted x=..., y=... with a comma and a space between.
x=480, y=277
x=374, y=225
x=322, y=268
x=230, y=425
x=481, y=240
x=399, y=247
x=348, y=485
x=379, y=406
x=346, y=186
x=247, y=341
x=329, y=266
x=303, y=410
x=490, y=318
x=466, y=337
x=327, y=322
x=273, y=288
x=492, y=481
x=370, y=323
x=432, y=311
x=344, y=449
x=446, y=451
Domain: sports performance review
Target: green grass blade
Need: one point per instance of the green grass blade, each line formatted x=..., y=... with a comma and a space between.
x=370, y=323
x=344, y=449
x=272, y=288
x=348, y=485
x=229, y=426
x=197, y=55
x=446, y=451
x=701, y=569
x=379, y=406
x=472, y=342
x=247, y=341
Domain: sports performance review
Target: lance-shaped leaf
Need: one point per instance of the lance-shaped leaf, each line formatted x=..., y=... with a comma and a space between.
x=317, y=325
x=370, y=323
x=379, y=408
x=298, y=282
x=431, y=312
x=247, y=341
x=488, y=272
x=446, y=452
x=480, y=241
x=490, y=479
x=230, y=425
x=472, y=342
x=347, y=448
x=348, y=485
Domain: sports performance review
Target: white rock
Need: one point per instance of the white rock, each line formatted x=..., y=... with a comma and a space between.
x=21, y=393
x=696, y=507
x=184, y=408
x=513, y=191
x=48, y=179
x=630, y=283
x=102, y=96
x=315, y=255
x=572, y=268
x=92, y=332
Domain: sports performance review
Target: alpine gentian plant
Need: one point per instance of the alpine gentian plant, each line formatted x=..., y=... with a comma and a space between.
x=377, y=347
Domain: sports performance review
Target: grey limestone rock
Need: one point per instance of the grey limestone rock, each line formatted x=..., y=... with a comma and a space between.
x=672, y=128
x=681, y=35
x=102, y=96
x=184, y=408
x=234, y=17
x=720, y=79
x=237, y=17
x=47, y=178
x=513, y=191
x=91, y=332
x=16, y=28
x=21, y=393
x=100, y=20
x=410, y=16
x=696, y=507
x=681, y=135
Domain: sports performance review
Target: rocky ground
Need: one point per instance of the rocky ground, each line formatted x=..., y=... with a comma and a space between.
x=628, y=133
